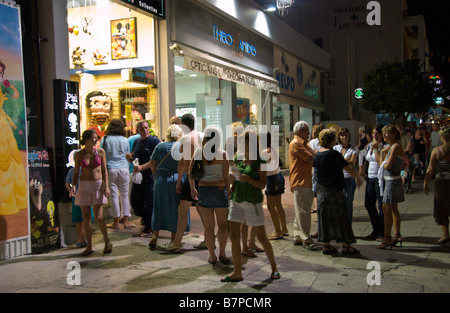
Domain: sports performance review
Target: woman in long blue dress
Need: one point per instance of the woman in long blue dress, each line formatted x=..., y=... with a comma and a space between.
x=165, y=171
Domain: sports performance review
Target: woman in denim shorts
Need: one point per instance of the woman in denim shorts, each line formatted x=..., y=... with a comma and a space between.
x=212, y=192
x=274, y=190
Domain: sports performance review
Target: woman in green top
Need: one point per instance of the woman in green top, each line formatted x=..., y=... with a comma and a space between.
x=246, y=205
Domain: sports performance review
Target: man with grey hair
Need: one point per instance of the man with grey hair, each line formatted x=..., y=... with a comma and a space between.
x=301, y=158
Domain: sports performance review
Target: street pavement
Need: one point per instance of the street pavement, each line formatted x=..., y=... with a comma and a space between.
x=419, y=266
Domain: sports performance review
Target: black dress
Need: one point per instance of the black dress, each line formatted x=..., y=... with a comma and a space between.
x=331, y=203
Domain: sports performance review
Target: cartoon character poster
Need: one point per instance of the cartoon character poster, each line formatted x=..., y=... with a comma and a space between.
x=124, y=39
x=243, y=110
x=44, y=228
x=13, y=133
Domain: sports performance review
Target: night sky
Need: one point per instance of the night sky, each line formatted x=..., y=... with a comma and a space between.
x=437, y=20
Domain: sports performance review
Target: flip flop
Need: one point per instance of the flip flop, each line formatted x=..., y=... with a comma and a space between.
x=249, y=255
x=275, y=275
x=111, y=225
x=87, y=252
x=275, y=237
x=257, y=249
x=108, y=249
x=129, y=226
x=228, y=279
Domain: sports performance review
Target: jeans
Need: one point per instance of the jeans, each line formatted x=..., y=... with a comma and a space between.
x=349, y=186
x=372, y=197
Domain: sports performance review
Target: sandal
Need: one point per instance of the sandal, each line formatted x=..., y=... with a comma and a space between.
x=212, y=262
x=228, y=279
x=87, y=252
x=112, y=225
x=224, y=260
x=257, y=249
x=108, y=248
x=152, y=243
x=329, y=250
x=249, y=254
x=309, y=246
x=275, y=237
x=275, y=275
x=349, y=250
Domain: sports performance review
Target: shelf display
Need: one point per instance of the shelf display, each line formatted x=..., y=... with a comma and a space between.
x=134, y=106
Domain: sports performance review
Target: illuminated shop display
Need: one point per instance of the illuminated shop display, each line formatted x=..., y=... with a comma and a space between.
x=112, y=45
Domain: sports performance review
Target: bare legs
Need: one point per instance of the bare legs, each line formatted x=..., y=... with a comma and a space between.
x=235, y=234
x=98, y=215
x=209, y=224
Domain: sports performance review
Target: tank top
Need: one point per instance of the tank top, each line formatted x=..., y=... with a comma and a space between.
x=213, y=172
x=443, y=168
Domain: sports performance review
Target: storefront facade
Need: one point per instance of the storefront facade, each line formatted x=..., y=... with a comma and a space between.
x=222, y=71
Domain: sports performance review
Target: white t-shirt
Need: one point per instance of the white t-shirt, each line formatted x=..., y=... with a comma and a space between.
x=352, y=149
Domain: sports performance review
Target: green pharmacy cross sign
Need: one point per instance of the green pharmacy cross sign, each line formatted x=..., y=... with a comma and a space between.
x=359, y=93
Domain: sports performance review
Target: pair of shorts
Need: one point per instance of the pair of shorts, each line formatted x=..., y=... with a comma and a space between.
x=275, y=185
x=90, y=193
x=212, y=197
x=186, y=191
x=247, y=213
x=77, y=216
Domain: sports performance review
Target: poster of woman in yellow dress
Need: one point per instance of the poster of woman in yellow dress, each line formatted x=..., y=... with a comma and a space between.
x=13, y=135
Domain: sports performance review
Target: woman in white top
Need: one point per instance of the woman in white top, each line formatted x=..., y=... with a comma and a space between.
x=116, y=146
x=372, y=193
x=274, y=189
x=212, y=193
x=350, y=154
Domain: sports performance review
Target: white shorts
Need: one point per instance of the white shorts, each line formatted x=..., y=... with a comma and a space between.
x=246, y=213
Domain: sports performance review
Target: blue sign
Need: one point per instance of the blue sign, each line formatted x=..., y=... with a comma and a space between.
x=229, y=40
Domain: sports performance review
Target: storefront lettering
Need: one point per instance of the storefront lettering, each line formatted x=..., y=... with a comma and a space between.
x=228, y=39
x=286, y=82
x=71, y=102
x=37, y=155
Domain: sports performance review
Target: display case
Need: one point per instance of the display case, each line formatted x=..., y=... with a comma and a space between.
x=134, y=106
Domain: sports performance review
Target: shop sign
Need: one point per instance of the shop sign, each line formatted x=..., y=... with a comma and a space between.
x=140, y=76
x=198, y=28
x=296, y=78
x=155, y=7
x=229, y=40
x=67, y=129
x=229, y=74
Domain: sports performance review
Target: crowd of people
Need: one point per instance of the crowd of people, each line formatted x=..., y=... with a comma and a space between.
x=227, y=186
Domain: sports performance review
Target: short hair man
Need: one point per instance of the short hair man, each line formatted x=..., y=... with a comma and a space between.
x=301, y=158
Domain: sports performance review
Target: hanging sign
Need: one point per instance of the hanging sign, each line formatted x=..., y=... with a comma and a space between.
x=229, y=73
x=155, y=7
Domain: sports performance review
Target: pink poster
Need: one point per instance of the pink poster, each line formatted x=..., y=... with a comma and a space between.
x=13, y=135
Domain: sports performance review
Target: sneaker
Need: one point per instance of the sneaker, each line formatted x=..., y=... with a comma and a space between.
x=170, y=247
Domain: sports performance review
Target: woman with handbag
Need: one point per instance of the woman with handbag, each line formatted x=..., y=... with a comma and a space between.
x=212, y=192
x=165, y=199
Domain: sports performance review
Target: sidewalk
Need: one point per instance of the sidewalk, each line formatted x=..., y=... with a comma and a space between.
x=420, y=266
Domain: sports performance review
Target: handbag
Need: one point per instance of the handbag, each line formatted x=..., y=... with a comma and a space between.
x=197, y=170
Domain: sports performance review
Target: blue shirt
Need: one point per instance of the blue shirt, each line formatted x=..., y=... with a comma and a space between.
x=143, y=150
x=116, y=147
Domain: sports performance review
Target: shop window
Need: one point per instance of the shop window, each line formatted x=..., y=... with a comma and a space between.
x=112, y=52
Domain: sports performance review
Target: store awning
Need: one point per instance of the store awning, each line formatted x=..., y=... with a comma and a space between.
x=203, y=63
